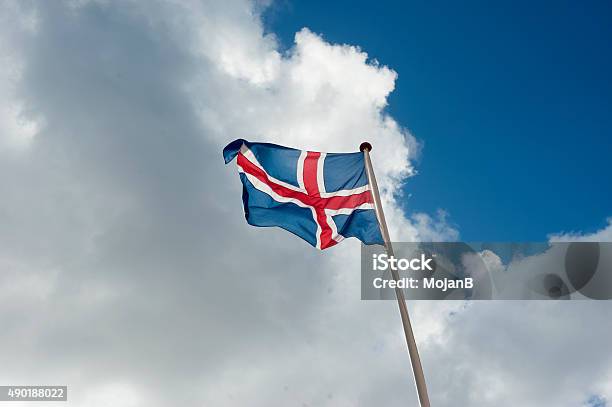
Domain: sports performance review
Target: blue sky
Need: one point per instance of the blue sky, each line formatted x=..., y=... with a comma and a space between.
x=512, y=103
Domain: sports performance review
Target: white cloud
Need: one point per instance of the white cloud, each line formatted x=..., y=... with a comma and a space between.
x=603, y=235
x=17, y=124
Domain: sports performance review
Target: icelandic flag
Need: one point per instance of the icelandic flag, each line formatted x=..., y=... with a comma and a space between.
x=320, y=197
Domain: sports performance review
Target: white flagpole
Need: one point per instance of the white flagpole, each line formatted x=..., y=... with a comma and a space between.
x=415, y=360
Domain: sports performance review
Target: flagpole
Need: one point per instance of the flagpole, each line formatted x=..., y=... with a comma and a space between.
x=415, y=360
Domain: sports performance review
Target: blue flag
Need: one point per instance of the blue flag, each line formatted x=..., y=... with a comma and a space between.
x=320, y=197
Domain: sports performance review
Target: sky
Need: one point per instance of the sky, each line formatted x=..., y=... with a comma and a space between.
x=128, y=273
x=511, y=102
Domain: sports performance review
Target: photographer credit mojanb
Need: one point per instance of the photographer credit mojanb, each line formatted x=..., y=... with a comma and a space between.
x=443, y=284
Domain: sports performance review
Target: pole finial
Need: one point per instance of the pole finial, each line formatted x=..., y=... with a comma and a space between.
x=365, y=146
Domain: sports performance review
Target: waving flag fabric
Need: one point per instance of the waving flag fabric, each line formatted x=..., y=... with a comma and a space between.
x=320, y=197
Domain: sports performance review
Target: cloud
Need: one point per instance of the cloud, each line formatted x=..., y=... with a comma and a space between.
x=532, y=353
x=603, y=235
x=17, y=124
x=129, y=274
